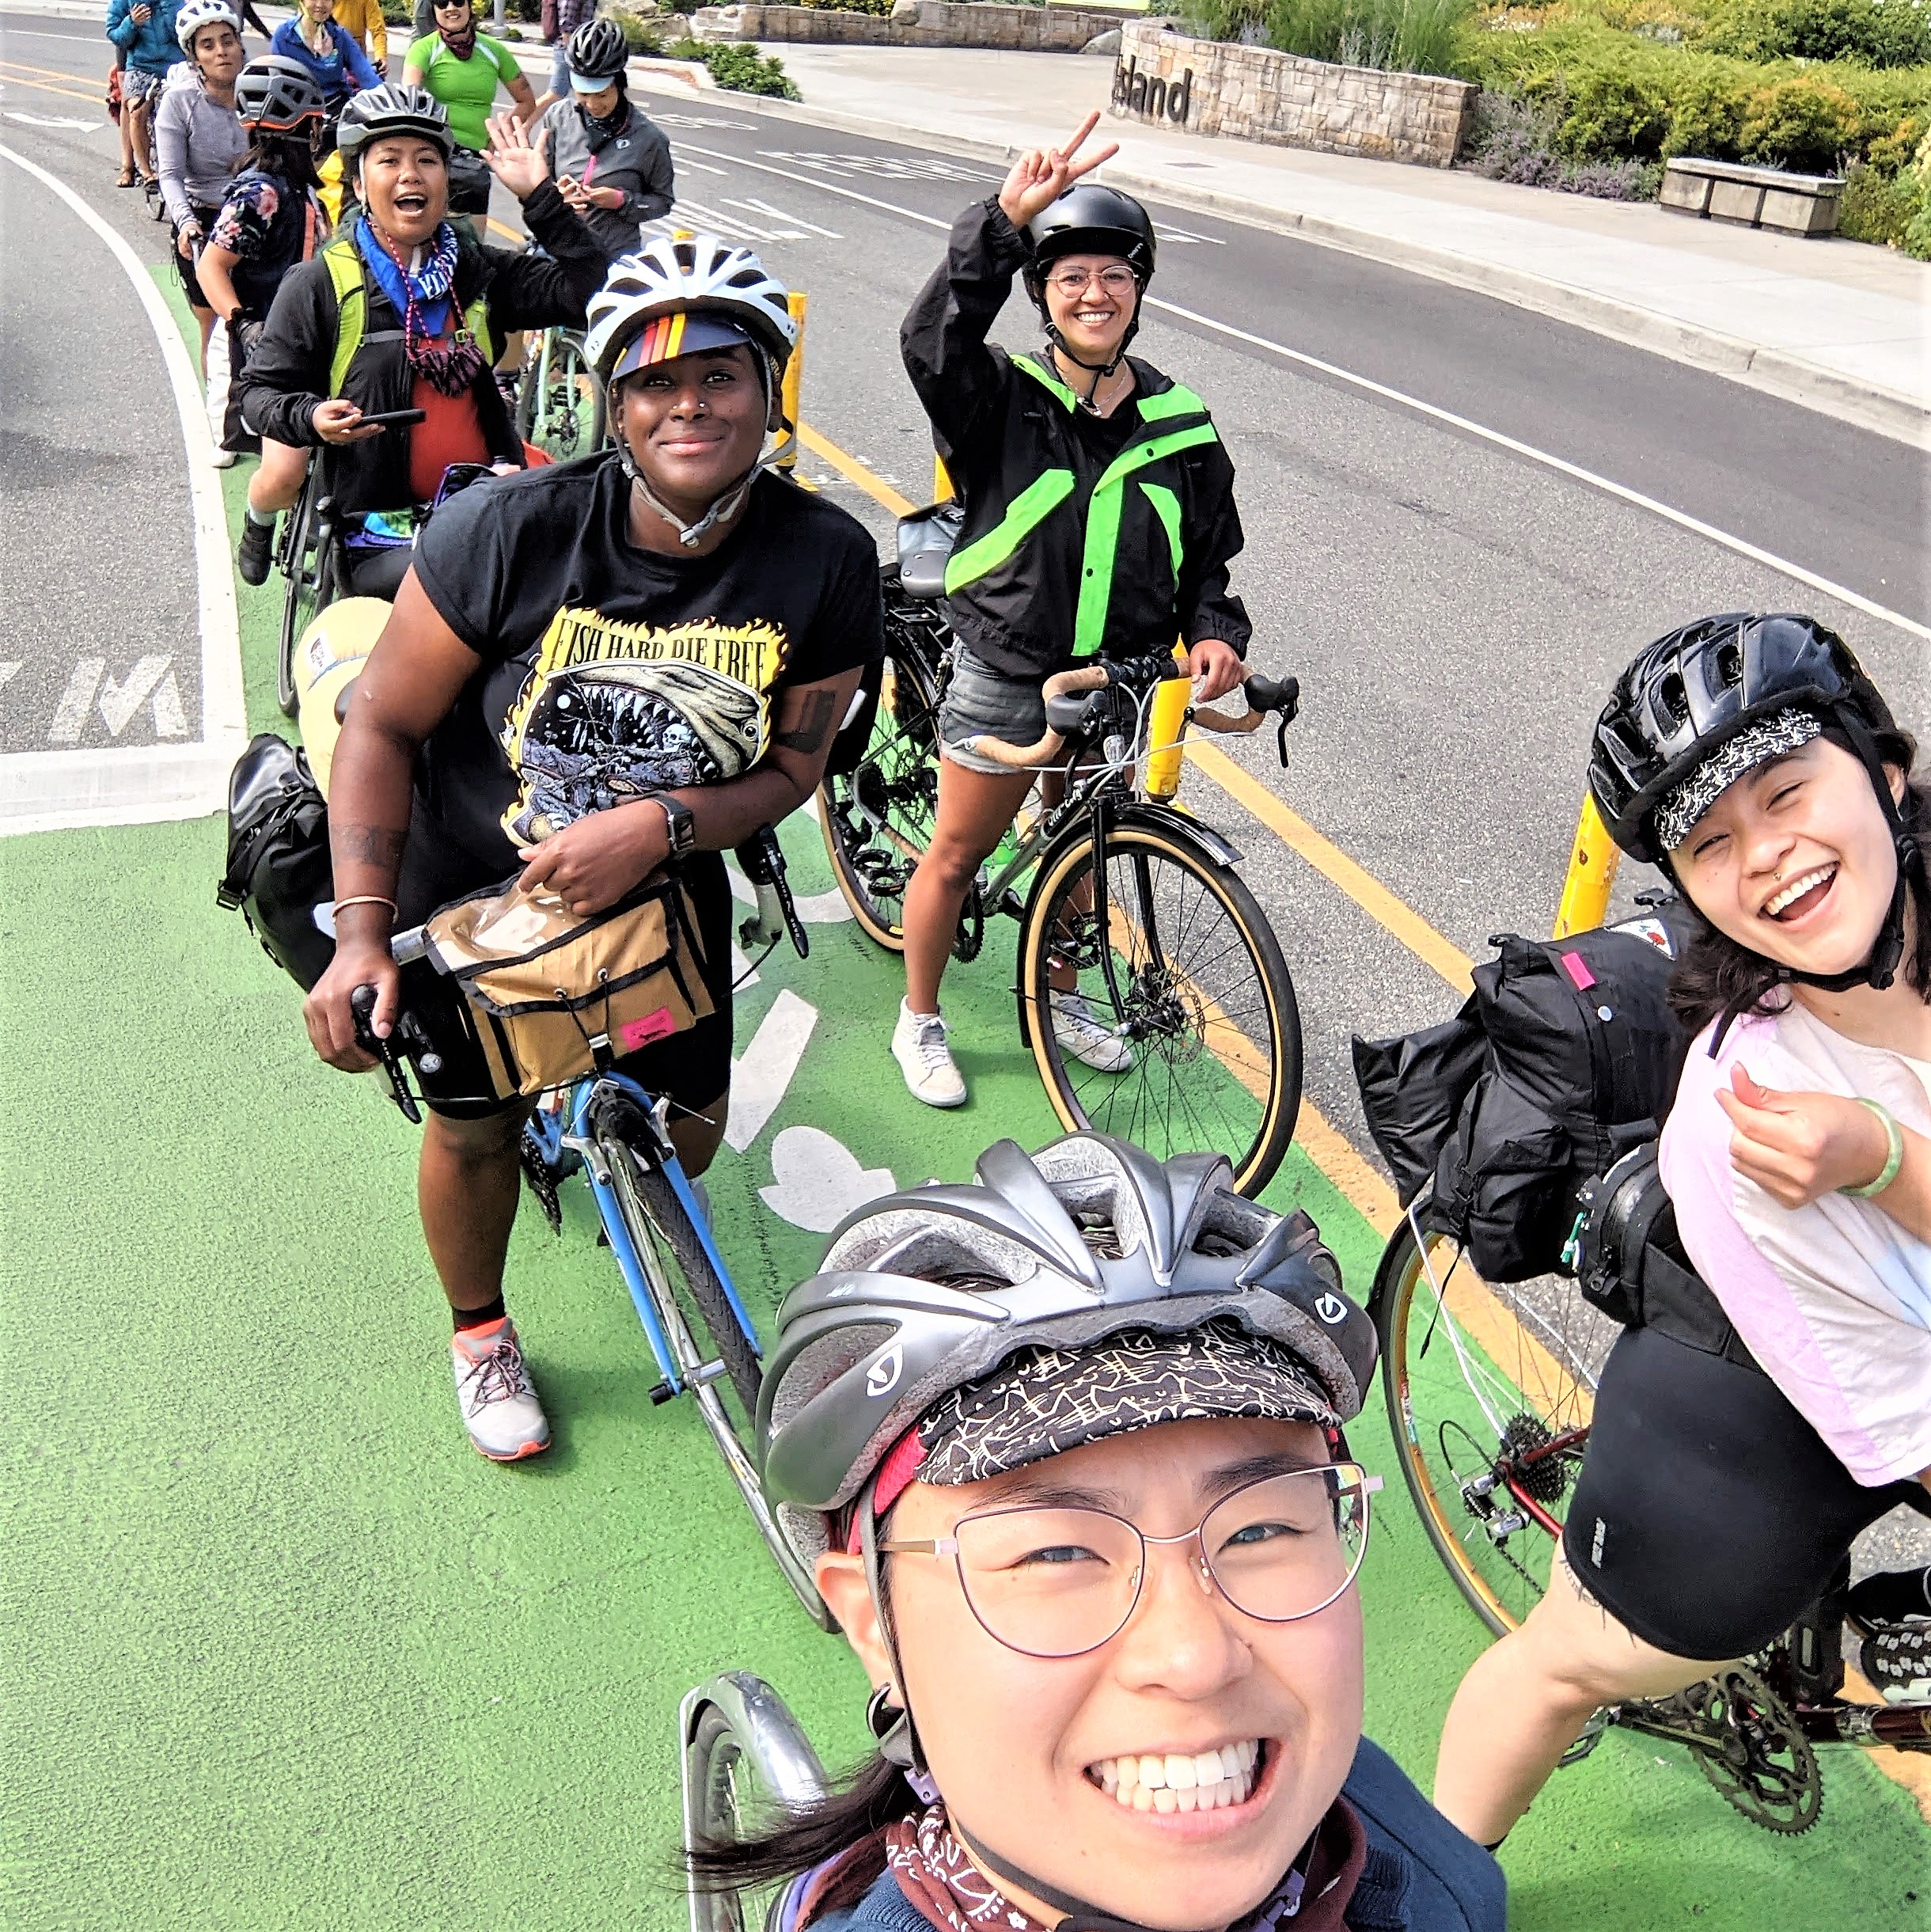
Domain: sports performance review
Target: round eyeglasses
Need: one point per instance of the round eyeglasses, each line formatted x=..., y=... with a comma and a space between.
x=1117, y=282
x=1049, y=1582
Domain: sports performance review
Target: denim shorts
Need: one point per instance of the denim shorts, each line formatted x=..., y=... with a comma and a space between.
x=979, y=699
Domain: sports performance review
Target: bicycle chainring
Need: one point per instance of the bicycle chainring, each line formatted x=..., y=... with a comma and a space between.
x=541, y=1181
x=1749, y=1747
x=971, y=934
x=1546, y=1479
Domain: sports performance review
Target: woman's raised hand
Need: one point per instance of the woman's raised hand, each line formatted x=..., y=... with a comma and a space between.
x=515, y=160
x=1041, y=174
x=1799, y=1147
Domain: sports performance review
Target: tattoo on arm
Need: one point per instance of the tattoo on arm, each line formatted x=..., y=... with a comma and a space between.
x=809, y=734
x=371, y=844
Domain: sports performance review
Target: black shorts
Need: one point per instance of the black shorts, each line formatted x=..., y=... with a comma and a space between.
x=692, y=1068
x=184, y=267
x=1710, y=1515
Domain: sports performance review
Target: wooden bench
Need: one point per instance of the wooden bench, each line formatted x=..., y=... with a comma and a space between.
x=1726, y=191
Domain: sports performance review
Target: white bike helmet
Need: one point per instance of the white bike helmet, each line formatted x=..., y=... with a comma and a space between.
x=199, y=13
x=692, y=275
x=672, y=298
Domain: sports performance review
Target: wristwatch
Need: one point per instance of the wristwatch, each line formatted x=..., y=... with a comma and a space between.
x=681, y=824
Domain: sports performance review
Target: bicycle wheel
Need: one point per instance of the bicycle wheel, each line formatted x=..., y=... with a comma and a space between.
x=303, y=563
x=746, y=1762
x=877, y=819
x=559, y=403
x=1198, y=994
x=1489, y=1389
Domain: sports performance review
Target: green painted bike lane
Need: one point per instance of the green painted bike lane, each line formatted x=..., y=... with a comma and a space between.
x=282, y=1652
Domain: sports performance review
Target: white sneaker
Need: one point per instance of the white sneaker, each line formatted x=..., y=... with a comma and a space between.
x=224, y=459
x=1081, y=1033
x=918, y=1045
x=499, y=1401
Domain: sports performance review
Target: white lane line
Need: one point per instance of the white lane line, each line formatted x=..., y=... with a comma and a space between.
x=727, y=225
x=10, y=671
x=760, y=1078
x=1681, y=518
x=783, y=214
x=41, y=790
x=684, y=160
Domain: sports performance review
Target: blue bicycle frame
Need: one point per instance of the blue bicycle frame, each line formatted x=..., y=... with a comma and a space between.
x=554, y=1140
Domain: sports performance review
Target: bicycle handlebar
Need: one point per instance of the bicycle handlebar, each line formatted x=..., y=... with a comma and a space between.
x=1266, y=697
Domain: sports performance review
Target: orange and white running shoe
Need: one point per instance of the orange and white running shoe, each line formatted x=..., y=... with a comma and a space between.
x=499, y=1401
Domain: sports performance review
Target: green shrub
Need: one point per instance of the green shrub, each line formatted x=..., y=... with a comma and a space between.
x=1803, y=122
x=1402, y=37
x=639, y=35
x=740, y=66
x=1875, y=207
x=1874, y=33
x=1610, y=113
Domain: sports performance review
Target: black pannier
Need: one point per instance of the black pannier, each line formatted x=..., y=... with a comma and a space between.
x=280, y=871
x=1563, y=1059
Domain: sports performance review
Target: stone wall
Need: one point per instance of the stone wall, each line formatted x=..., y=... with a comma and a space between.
x=1214, y=87
x=912, y=23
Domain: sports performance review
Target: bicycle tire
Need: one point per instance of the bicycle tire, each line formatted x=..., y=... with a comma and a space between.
x=1481, y=1375
x=655, y=1215
x=876, y=819
x=302, y=564
x=1178, y=1009
x=570, y=374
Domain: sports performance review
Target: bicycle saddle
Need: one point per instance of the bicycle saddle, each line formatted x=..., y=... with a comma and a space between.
x=925, y=543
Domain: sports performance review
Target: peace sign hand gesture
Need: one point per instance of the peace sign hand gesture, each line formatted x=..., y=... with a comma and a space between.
x=1041, y=174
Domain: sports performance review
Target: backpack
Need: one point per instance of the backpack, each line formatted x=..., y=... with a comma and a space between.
x=1564, y=1058
x=278, y=871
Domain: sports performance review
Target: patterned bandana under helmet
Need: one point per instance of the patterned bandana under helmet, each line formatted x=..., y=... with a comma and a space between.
x=1046, y=1401
x=1676, y=817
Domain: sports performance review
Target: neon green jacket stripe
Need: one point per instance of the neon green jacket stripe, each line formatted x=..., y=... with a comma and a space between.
x=1102, y=531
x=1023, y=515
x=1167, y=507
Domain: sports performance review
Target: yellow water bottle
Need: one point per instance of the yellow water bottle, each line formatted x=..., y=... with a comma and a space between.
x=1165, y=726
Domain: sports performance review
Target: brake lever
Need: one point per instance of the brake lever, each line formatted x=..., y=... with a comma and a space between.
x=760, y=858
x=362, y=1003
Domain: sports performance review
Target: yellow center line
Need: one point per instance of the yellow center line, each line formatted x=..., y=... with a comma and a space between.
x=853, y=471
x=15, y=80
x=508, y=234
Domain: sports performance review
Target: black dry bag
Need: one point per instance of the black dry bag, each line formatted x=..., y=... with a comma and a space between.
x=278, y=872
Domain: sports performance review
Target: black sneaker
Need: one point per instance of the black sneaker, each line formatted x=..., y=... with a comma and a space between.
x=1897, y=1659
x=1889, y=1597
x=255, y=552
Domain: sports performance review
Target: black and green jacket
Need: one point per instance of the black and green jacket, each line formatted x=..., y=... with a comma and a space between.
x=1082, y=535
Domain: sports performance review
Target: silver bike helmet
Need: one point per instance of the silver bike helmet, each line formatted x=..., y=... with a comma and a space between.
x=968, y=1314
x=276, y=95
x=597, y=52
x=392, y=108
x=199, y=13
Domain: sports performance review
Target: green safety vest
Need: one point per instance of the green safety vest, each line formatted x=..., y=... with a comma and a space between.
x=347, y=275
x=1173, y=420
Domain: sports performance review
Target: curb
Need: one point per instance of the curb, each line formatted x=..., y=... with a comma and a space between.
x=1904, y=419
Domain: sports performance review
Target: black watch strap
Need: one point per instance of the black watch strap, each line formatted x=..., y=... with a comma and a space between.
x=681, y=823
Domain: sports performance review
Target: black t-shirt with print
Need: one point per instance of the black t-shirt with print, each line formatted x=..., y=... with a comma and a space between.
x=610, y=671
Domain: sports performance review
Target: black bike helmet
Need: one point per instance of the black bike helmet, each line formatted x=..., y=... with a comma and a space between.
x=1658, y=748
x=392, y=108
x=597, y=50
x=1089, y=219
x=275, y=95
x=1689, y=693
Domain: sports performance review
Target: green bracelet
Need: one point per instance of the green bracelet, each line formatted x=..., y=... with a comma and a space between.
x=1893, y=1155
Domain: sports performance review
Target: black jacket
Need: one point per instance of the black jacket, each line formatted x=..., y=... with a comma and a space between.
x=635, y=159
x=1041, y=575
x=288, y=374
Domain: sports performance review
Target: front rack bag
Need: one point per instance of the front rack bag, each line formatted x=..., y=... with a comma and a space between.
x=554, y=996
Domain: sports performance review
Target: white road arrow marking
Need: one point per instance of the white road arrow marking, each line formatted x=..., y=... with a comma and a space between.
x=75, y=702
x=770, y=1063
x=119, y=702
x=55, y=120
x=818, y=1180
x=169, y=721
x=784, y=215
x=8, y=672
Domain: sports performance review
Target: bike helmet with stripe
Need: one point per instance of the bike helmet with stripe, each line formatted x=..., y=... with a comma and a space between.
x=691, y=275
x=597, y=50
x=277, y=95
x=392, y=108
x=1090, y=219
x=199, y=13
x=1195, y=1300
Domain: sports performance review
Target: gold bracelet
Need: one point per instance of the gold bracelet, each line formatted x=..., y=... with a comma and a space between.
x=367, y=898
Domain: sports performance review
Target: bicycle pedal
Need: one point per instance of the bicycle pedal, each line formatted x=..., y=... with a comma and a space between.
x=662, y=1394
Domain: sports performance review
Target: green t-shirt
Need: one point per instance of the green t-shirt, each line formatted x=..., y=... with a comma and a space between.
x=467, y=88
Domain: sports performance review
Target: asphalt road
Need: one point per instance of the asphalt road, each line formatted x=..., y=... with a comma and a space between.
x=1455, y=609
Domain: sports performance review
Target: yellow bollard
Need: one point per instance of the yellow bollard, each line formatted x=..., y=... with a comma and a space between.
x=789, y=392
x=1593, y=859
x=1165, y=726
x=942, y=479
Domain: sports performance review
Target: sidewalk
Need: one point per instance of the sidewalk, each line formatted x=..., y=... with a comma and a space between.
x=1839, y=326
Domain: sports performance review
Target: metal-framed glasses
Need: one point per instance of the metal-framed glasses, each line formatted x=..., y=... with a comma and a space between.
x=1048, y=1581
x=1117, y=282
